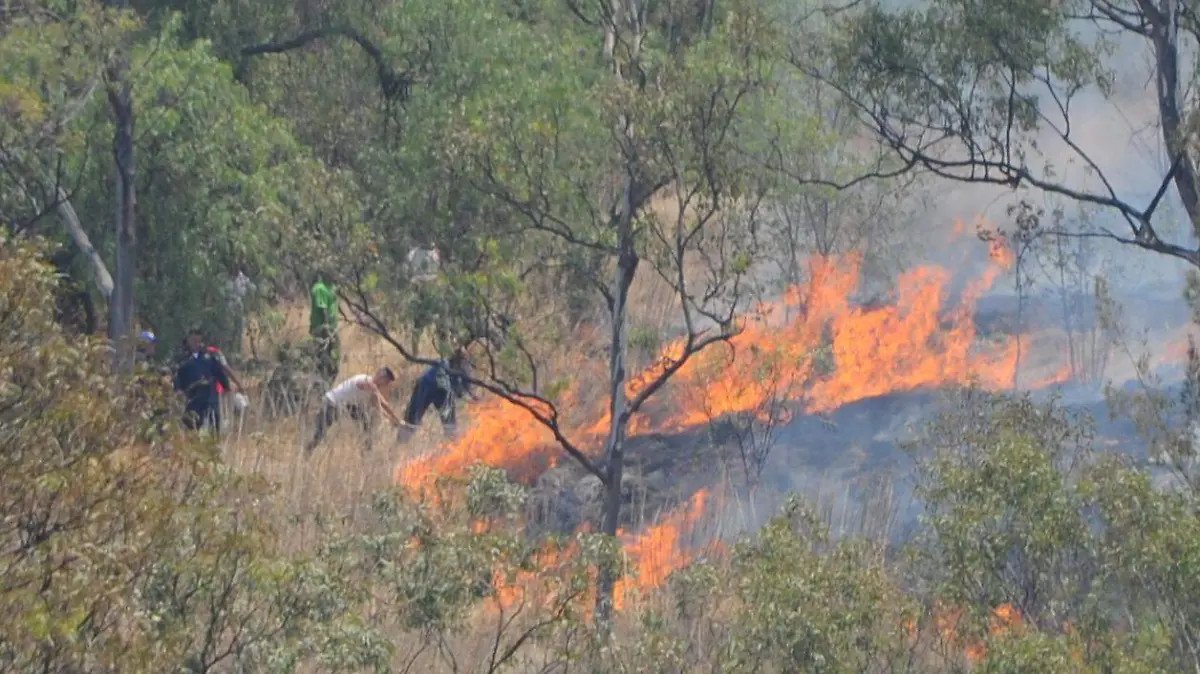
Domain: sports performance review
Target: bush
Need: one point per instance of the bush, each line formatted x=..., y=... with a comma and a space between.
x=121, y=554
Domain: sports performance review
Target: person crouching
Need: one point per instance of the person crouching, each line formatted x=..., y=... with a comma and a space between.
x=358, y=396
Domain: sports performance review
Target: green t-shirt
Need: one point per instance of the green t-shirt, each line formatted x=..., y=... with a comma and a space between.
x=323, y=319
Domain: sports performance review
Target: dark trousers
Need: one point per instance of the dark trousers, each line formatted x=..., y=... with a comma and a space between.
x=329, y=354
x=328, y=415
x=200, y=413
x=426, y=394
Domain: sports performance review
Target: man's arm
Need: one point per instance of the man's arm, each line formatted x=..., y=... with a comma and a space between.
x=228, y=372
x=385, y=408
x=218, y=373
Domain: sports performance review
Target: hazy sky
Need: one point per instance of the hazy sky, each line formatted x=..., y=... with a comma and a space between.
x=1120, y=133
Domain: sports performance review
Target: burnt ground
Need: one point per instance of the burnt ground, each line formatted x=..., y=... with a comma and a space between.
x=849, y=464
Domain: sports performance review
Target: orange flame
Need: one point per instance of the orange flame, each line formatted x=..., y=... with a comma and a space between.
x=1003, y=618
x=658, y=551
x=655, y=553
x=816, y=348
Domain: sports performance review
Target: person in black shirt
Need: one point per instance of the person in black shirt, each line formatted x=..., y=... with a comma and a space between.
x=197, y=376
x=439, y=386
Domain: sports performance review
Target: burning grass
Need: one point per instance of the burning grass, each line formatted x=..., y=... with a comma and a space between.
x=816, y=348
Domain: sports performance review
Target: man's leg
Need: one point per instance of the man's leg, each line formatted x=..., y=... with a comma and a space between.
x=214, y=418
x=417, y=404
x=365, y=423
x=335, y=356
x=445, y=406
x=327, y=354
x=324, y=359
x=325, y=418
x=194, y=415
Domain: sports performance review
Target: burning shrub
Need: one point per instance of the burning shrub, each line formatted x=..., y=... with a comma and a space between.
x=1005, y=519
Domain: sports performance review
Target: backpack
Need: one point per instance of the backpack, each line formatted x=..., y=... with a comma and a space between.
x=221, y=359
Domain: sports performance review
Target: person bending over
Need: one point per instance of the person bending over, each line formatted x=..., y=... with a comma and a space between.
x=439, y=386
x=358, y=396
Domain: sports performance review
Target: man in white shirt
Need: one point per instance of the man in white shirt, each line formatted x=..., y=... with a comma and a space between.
x=357, y=396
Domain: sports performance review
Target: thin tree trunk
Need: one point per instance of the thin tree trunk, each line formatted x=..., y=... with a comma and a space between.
x=1165, y=36
x=70, y=220
x=614, y=453
x=121, y=308
x=628, y=16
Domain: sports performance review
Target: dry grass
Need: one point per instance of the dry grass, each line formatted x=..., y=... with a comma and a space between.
x=341, y=474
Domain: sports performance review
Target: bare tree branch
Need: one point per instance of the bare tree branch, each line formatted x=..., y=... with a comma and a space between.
x=367, y=317
x=395, y=85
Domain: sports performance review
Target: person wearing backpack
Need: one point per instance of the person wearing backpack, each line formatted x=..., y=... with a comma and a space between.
x=197, y=376
x=439, y=387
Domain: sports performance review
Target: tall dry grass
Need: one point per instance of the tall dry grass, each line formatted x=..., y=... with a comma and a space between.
x=341, y=474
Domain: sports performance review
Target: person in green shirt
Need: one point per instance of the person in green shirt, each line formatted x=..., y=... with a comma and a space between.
x=322, y=326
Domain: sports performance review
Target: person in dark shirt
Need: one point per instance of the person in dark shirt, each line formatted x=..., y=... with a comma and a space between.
x=439, y=386
x=197, y=376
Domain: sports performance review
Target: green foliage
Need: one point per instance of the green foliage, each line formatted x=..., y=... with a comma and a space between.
x=127, y=550
x=52, y=62
x=123, y=555
x=935, y=62
x=1004, y=515
x=808, y=607
x=1023, y=513
x=426, y=568
x=216, y=173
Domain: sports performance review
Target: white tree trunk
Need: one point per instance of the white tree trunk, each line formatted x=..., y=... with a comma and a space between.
x=70, y=219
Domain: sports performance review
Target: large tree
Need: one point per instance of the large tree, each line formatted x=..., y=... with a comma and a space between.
x=217, y=189
x=52, y=66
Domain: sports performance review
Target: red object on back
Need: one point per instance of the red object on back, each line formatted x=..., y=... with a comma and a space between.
x=216, y=351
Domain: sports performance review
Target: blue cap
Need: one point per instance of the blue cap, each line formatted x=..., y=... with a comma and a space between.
x=147, y=337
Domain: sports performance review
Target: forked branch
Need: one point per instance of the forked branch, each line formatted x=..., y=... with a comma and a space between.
x=396, y=85
x=543, y=410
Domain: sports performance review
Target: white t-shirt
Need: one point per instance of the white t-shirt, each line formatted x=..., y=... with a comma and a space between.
x=423, y=264
x=237, y=290
x=349, y=393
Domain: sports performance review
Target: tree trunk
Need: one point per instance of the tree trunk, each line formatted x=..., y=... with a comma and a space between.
x=614, y=451
x=121, y=308
x=70, y=220
x=1165, y=37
